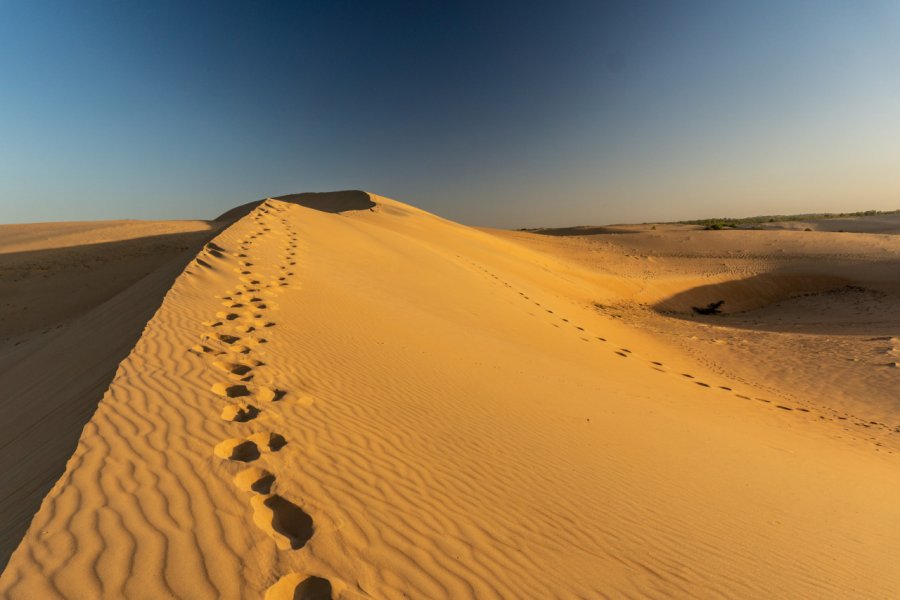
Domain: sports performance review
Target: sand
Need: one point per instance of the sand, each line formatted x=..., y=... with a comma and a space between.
x=75, y=298
x=344, y=396
x=813, y=317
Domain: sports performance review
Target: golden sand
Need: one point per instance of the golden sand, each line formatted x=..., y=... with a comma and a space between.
x=344, y=396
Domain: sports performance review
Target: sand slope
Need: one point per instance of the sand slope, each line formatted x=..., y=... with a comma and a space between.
x=75, y=297
x=375, y=402
x=813, y=317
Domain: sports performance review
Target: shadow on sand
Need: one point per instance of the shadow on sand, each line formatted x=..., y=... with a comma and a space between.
x=797, y=303
x=330, y=202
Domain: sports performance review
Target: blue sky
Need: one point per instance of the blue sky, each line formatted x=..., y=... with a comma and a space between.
x=510, y=115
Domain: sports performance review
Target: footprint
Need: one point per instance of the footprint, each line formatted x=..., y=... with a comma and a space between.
x=254, y=479
x=267, y=394
x=229, y=390
x=268, y=441
x=295, y=586
x=235, y=369
x=240, y=412
x=228, y=339
x=283, y=521
x=236, y=449
x=227, y=315
x=622, y=354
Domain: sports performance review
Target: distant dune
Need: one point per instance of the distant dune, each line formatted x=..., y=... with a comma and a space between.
x=340, y=395
x=813, y=315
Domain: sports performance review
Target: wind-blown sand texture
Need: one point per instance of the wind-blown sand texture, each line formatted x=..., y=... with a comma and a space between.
x=344, y=396
x=74, y=298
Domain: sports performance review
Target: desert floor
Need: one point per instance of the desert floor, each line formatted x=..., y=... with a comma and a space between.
x=340, y=395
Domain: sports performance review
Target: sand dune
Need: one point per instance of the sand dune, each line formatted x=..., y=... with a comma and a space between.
x=344, y=396
x=75, y=299
x=809, y=315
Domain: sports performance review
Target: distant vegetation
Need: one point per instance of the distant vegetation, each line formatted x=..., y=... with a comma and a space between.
x=727, y=223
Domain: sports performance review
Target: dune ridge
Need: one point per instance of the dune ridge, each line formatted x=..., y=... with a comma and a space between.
x=376, y=402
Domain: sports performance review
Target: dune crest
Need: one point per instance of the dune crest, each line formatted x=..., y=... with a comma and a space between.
x=440, y=412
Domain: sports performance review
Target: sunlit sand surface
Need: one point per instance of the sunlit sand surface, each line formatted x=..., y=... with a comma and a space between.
x=342, y=396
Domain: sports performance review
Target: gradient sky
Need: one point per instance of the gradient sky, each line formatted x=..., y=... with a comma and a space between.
x=501, y=114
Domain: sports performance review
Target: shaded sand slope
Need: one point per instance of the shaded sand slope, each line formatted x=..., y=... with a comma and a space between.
x=51, y=272
x=75, y=297
x=380, y=403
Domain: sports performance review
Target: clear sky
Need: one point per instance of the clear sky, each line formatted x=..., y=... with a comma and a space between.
x=503, y=114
